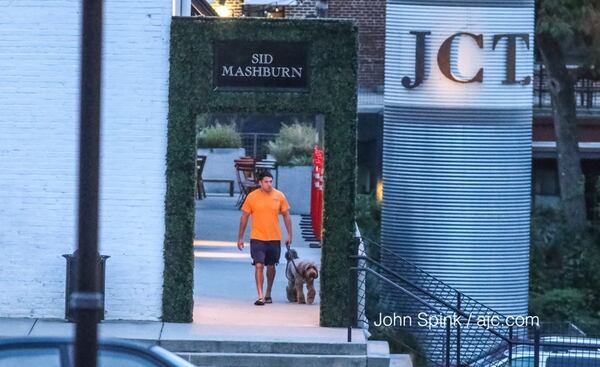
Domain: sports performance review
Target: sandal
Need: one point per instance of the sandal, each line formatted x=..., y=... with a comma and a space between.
x=268, y=300
x=259, y=302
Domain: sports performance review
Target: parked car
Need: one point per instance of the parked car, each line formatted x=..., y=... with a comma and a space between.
x=59, y=352
x=572, y=358
x=556, y=352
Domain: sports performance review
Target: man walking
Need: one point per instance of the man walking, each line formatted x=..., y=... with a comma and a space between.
x=264, y=205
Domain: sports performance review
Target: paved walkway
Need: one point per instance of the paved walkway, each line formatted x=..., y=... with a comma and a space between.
x=162, y=331
x=224, y=292
x=224, y=288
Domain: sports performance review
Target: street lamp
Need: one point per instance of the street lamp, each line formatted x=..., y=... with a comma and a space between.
x=222, y=9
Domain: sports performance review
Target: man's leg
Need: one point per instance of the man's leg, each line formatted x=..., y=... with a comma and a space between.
x=259, y=276
x=270, y=279
x=271, y=259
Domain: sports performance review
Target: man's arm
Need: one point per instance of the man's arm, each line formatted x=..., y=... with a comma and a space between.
x=243, y=224
x=287, y=219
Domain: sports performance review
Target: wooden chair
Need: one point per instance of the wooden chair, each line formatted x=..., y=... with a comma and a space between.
x=200, y=162
x=246, y=177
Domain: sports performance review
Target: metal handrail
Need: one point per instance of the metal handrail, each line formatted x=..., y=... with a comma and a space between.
x=518, y=336
x=450, y=306
x=433, y=278
x=351, y=309
x=494, y=346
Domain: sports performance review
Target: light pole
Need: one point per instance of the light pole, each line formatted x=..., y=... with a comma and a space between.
x=87, y=301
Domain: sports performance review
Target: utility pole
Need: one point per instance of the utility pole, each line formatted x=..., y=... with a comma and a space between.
x=87, y=301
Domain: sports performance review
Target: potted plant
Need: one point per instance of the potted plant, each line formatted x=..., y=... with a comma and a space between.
x=293, y=152
x=221, y=144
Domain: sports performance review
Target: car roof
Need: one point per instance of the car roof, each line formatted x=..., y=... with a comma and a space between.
x=571, y=340
x=45, y=340
x=566, y=353
x=148, y=348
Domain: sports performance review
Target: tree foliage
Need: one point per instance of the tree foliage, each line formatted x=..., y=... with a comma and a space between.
x=568, y=32
x=575, y=24
x=564, y=277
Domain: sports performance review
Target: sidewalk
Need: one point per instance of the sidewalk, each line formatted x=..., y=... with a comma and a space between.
x=224, y=288
x=224, y=293
x=155, y=331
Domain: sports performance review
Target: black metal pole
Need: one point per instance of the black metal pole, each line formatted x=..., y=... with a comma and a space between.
x=350, y=304
x=536, y=346
x=458, y=334
x=86, y=301
x=510, y=344
x=448, y=338
x=541, y=86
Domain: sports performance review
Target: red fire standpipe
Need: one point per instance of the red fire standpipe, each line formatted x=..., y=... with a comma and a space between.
x=316, y=192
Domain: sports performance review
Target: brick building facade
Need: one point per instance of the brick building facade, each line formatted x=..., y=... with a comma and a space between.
x=369, y=16
x=304, y=9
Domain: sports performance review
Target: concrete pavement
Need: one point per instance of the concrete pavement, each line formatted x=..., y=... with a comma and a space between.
x=228, y=330
x=155, y=331
x=224, y=287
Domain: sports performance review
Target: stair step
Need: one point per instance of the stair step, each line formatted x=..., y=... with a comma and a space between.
x=378, y=354
x=273, y=360
x=266, y=347
x=400, y=360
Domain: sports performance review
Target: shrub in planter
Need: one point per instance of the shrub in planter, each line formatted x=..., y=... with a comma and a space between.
x=294, y=145
x=293, y=152
x=218, y=136
x=220, y=143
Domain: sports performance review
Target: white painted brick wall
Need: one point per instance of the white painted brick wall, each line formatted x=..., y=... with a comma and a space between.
x=39, y=97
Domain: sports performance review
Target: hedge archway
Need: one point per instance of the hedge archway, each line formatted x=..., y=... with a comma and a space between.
x=332, y=62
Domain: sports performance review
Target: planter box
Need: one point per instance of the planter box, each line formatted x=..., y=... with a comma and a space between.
x=220, y=166
x=295, y=182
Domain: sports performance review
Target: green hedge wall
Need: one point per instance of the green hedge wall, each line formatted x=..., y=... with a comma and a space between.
x=332, y=93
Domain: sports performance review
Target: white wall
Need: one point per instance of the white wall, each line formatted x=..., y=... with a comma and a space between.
x=39, y=97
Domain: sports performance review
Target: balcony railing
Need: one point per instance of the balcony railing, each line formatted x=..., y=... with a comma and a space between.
x=256, y=143
x=587, y=92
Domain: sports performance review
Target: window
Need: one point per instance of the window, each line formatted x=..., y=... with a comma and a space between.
x=112, y=358
x=571, y=361
x=522, y=362
x=545, y=178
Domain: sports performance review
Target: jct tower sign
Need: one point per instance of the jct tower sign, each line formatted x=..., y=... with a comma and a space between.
x=445, y=51
x=457, y=143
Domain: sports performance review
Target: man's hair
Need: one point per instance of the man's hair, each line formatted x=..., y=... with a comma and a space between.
x=264, y=174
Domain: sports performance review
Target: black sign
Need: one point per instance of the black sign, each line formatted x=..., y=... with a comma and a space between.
x=241, y=65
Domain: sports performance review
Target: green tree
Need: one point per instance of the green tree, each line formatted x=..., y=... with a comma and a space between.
x=568, y=32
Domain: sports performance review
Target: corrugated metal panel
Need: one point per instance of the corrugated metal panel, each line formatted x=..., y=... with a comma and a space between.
x=457, y=158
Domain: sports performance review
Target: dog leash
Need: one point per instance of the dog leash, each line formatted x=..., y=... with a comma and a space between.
x=290, y=261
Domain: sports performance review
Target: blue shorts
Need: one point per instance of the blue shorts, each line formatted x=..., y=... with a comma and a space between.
x=265, y=252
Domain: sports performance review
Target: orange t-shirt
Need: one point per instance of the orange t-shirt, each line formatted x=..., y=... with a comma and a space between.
x=265, y=209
